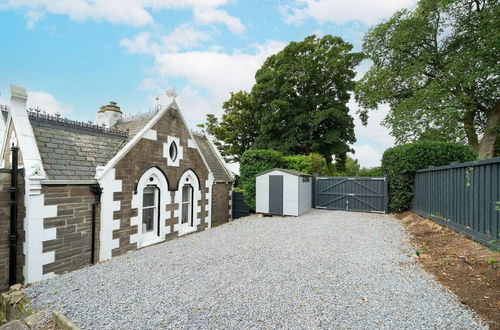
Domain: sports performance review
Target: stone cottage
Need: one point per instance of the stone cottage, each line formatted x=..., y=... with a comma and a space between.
x=92, y=191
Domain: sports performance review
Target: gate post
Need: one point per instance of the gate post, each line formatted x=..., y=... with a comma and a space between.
x=313, y=192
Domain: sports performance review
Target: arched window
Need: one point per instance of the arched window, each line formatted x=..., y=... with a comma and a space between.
x=187, y=204
x=150, y=214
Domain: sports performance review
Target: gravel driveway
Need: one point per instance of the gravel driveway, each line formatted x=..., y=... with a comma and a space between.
x=325, y=269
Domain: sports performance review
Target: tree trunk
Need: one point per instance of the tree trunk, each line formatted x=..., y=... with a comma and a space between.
x=487, y=145
x=470, y=131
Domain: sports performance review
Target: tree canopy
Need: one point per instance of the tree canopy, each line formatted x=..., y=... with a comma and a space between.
x=298, y=104
x=238, y=128
x=438, y=68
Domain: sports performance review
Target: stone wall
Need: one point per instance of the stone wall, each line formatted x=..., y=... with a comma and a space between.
x=5, y=229
x=72, y=245
x=220, y=203
x=145, y=154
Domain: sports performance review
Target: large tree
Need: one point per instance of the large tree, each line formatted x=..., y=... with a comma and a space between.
x=235, y=133
x=298, y=104
x=438, y=68
x=301, y=95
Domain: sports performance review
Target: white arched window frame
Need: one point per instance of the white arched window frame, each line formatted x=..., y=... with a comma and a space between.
x=151, y=181
x=189, y=186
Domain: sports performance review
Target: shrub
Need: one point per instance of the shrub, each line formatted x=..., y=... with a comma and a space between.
x=312, y=164
x=401, y=162
x=253, y=162
x=371, y=172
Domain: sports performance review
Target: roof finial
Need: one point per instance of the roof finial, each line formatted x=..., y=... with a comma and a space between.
x=171, y=93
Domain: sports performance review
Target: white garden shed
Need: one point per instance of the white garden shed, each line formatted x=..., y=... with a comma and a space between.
x=283, y=192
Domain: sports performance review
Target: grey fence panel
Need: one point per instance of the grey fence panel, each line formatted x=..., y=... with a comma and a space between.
x=361, y=194
x=239, y=208
x=462, y=197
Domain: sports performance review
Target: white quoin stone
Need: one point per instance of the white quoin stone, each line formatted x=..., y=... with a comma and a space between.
x=109, y=115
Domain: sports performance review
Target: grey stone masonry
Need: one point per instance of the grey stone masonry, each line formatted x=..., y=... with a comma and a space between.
x=73, y=223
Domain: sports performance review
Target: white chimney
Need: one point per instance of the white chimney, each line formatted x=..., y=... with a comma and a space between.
x=109, y=115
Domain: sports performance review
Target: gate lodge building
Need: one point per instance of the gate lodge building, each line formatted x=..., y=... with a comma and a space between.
x=92, y=191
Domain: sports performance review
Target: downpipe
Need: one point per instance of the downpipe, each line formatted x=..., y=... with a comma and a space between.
x=97, y=190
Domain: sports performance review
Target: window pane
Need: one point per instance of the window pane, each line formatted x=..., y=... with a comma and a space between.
x=186, y=191
x=148, y=219
x=173, y=151
x=148, y=198
x=185, y=212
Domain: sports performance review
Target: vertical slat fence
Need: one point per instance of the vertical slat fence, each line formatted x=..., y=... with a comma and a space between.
x=464, y=197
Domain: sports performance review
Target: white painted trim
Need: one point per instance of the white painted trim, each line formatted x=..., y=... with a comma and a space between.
x=209, y=184
x=192, y=144
x=24, y=131
x=166, y=151
x=109, y=186
x=35, y=235
x=101, y=171
x=3, y=133
x=188, y=177
x=150, y=135
x=161, y=182
x=220, y=158
x=72, y=182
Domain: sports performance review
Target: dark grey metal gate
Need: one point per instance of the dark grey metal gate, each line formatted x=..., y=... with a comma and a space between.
x=276, y=194
x=238, y=207
x=360, y=194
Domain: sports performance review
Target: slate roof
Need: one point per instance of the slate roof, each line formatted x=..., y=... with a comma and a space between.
x=215, y=165
x=285, y=170
x=72, y=153
x=134, y=124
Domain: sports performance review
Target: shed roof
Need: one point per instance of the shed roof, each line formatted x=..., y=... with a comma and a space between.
x=285, y=170
x=213, y=162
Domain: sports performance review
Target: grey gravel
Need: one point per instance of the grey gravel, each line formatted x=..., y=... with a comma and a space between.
x=325, y=269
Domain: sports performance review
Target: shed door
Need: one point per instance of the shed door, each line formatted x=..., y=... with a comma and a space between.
x=276, y=194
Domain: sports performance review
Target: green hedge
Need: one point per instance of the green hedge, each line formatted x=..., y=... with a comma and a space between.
x=253, y=162
x=371, y=172
x=312, y=164
x=401, y=162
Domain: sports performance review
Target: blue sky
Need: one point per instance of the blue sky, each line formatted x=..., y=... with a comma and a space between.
x=76, y=55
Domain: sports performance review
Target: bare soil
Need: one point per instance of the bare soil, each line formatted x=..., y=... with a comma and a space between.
x=469, y=269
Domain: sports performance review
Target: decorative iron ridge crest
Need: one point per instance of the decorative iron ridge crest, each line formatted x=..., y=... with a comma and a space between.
x=128, y=118
x=43, y=115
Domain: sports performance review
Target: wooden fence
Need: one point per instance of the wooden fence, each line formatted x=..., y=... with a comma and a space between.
x=464, y=197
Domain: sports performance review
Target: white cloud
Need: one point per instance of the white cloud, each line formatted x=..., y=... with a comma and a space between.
x=46, y=102
x=373, y=131
x=184, y=36
x=127, y=12
x=139, y=44
x=32, y=18
x=209, y=15
x=366, y=155
x=214, y=74
x=342, y=11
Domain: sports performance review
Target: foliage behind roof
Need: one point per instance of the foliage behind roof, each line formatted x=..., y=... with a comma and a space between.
x=292, y=172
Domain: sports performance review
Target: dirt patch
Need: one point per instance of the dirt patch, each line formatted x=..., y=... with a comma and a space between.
x=467, y=268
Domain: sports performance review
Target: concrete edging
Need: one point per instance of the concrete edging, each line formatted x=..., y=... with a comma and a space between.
x=63, y=322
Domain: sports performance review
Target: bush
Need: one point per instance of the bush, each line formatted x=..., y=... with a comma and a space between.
x=401, y=162
x=371, y=172
x=253, y=162
x=312, y=164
